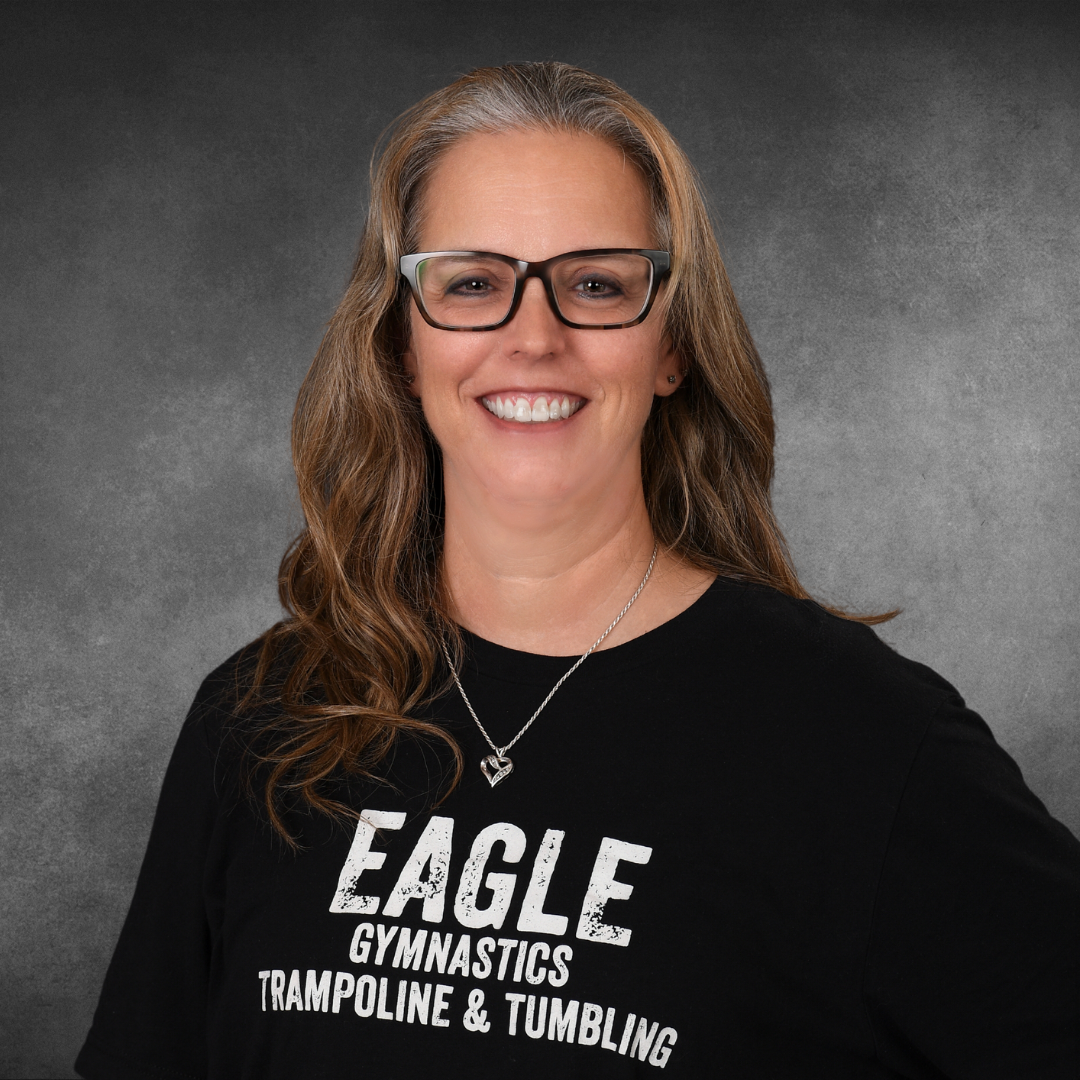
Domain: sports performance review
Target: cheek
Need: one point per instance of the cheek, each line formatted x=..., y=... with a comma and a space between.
x=437, y=360
x=629, y=368
x=443, y=363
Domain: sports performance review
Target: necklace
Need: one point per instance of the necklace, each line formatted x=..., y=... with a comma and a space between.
x=496, y=766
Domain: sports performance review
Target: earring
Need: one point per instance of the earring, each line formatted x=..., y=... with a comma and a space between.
x=671, y=378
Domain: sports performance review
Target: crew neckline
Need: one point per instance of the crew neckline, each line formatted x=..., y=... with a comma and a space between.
x=512, y=665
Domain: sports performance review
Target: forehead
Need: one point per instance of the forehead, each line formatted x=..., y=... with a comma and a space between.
x=534, y=194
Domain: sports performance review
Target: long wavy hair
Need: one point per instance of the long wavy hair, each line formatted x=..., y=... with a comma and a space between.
x=359, y=652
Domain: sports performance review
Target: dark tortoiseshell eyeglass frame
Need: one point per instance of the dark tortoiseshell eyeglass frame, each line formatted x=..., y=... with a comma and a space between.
x=659, y=260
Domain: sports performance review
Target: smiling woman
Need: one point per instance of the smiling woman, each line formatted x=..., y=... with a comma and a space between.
x=737, y=834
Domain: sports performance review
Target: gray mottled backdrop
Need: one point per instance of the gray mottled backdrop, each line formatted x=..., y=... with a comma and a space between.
x=181, y=188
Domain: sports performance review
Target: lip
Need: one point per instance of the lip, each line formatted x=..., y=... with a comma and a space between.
x=492, y=403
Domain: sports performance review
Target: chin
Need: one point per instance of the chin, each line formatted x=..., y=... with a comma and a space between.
x=540, y=481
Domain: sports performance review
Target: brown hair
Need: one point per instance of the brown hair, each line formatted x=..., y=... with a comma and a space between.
x=360, y=649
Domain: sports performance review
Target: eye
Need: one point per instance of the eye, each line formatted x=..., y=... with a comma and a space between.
x=469, y=285
x=597, y=286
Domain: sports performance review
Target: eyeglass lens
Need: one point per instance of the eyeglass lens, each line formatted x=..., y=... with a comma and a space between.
x=476, y=291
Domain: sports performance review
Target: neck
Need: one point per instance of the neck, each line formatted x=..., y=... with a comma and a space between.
x=550, y=579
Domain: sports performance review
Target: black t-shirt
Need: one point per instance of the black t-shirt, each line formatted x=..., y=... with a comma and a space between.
x=754, y=842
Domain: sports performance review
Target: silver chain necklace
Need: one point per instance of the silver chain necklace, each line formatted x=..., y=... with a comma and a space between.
x=496, y=767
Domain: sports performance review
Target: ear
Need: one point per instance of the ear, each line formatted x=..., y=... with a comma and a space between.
x=669, y=371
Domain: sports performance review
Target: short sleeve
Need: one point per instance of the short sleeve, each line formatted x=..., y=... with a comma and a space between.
x=151, y=1016
x=973, y=967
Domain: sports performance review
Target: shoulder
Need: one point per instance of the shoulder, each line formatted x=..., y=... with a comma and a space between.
x=805, y=695
x=785, y=645
x=222, y=691
x=233, y=704
x=228, y=684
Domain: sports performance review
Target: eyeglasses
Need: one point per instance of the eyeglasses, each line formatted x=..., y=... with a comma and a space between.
x=602, y=289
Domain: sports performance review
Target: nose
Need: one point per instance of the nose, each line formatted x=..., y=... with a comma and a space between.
x=534, y=331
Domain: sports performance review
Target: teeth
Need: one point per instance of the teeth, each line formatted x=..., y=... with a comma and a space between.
x=539, y=412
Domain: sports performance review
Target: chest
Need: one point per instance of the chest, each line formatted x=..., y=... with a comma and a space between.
x=664, y=871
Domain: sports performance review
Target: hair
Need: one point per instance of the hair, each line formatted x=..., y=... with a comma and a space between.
x=360, y=650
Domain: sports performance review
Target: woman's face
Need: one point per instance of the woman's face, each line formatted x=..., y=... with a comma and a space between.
x=532, y=195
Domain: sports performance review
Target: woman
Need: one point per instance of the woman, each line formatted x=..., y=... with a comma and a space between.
x=554, y=767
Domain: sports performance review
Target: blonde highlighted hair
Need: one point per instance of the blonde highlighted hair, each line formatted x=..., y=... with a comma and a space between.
x=359, y=652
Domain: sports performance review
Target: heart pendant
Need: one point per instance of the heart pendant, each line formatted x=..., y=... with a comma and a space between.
x=496, y=768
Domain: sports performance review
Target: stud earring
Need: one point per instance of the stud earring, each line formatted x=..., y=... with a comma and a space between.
x=671, y=378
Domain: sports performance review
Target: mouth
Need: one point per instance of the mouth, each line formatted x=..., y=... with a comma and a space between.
x=533, y=408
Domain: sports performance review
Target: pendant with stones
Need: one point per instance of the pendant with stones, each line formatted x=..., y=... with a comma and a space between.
x=496, y=768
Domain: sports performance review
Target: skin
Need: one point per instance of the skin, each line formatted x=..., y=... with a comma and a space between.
x=547, y=534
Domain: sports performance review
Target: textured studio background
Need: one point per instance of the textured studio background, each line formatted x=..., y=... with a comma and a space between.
x=181, y=188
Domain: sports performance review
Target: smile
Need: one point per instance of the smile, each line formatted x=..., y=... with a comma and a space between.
x=543, y=408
